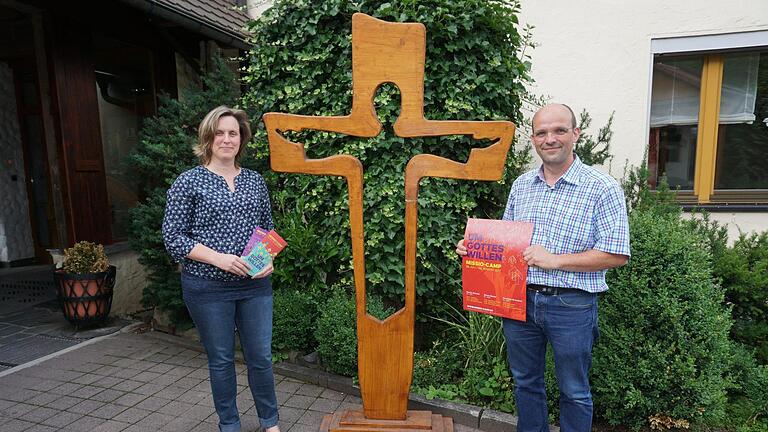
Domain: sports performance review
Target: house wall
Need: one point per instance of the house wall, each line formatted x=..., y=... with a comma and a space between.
x=15, y=230
x=596, y=55
x=257, y=7
x=130, y=281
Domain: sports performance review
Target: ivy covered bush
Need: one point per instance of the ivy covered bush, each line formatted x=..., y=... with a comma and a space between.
x=165, y=151
x=301, y=63
x=306, y=264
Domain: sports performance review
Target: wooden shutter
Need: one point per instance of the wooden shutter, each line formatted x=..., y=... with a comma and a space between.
x=82, y=163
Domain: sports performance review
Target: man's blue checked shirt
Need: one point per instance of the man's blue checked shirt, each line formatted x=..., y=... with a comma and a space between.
x=584, y=210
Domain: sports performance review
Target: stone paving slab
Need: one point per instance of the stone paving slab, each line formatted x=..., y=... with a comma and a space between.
x=23, y=287
x=136, y=382
x=29, y=332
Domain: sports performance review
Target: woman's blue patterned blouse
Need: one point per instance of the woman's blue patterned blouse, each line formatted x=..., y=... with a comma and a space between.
x=202, y=209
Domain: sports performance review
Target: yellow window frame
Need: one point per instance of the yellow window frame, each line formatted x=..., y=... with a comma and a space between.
x=709, y=115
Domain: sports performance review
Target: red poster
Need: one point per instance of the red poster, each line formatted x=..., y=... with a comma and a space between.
x=493, y=272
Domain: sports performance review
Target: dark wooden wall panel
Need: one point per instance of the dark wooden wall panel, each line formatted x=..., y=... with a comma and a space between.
x=86, y=202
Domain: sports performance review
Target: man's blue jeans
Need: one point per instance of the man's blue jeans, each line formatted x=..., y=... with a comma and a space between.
x=567, y=321
x=216, y=321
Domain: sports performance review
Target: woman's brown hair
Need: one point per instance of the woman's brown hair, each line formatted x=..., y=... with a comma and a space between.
x=206, y=132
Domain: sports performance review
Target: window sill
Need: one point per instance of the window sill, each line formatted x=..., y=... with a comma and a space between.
x=726, y=201
x=726, y=208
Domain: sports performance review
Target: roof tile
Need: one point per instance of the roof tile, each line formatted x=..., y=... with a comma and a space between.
x=219, y=14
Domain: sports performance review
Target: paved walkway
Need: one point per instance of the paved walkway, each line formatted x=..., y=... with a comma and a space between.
x=34, y=332
x=31, y=321
x=144, y=382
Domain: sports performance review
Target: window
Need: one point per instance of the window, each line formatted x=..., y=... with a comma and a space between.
x=126, y=96
x=709, y=121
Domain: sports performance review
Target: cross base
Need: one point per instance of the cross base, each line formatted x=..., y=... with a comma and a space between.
x=415, y=421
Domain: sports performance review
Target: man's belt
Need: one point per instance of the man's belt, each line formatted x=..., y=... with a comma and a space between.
x=550, y=290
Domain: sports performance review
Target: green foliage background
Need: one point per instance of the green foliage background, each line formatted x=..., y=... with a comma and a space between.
x=664, y=330
x=336, y=330
x=593, y=150
x=295, y=315
x=301, y=64
x=743, y=269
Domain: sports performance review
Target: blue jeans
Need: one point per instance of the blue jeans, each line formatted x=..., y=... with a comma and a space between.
x=216, y=321
x=567, y=321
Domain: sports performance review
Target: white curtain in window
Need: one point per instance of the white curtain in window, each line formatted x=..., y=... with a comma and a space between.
x=737, y=100
x=677, y=87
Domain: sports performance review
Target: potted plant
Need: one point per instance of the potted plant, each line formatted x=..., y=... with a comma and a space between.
x=85, y=283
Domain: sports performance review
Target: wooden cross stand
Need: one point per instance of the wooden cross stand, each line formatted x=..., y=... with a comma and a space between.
x=387, y=52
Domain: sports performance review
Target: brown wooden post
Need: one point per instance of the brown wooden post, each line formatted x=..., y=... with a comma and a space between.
x=387, y=52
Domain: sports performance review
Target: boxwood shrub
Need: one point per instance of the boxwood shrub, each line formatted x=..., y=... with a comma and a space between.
x=336, y=332
x=663, y=351
x=293, y=322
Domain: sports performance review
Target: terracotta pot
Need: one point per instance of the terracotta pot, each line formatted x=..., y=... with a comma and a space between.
x=86, y=298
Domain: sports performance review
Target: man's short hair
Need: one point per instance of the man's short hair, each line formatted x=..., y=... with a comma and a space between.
x=573, y=116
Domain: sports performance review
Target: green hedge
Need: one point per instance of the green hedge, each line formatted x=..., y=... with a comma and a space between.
x=664, y=350
x=336, y=332
x=743, y=269
x=748, y=396
x=294, y=318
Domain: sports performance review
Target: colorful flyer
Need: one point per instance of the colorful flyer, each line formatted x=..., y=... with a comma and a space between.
x=261, y=248
x=256, y=237
x=258, y=258
x=273, y=242
x=493, y=273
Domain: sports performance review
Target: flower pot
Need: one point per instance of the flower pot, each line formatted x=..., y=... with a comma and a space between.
x=85, y=298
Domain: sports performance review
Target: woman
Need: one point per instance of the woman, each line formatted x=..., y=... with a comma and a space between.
x=210, y=214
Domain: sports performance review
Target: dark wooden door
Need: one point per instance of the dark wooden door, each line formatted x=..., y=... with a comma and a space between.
x=76, y=106
x=38, y=184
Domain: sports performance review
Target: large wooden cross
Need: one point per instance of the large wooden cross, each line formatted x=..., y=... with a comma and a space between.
x=387, y=52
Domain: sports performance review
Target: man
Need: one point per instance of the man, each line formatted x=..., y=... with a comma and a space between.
x=580, y=231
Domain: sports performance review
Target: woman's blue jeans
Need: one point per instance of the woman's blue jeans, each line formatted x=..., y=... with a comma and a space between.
x=216, y=321
x=567, y=321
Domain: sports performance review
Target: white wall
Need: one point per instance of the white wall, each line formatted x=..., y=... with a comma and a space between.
x=596, y=54
x=741, y=222
x=257, y=7
x=15, y=231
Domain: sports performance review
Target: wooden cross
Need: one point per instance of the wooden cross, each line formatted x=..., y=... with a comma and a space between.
x=387, y=52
